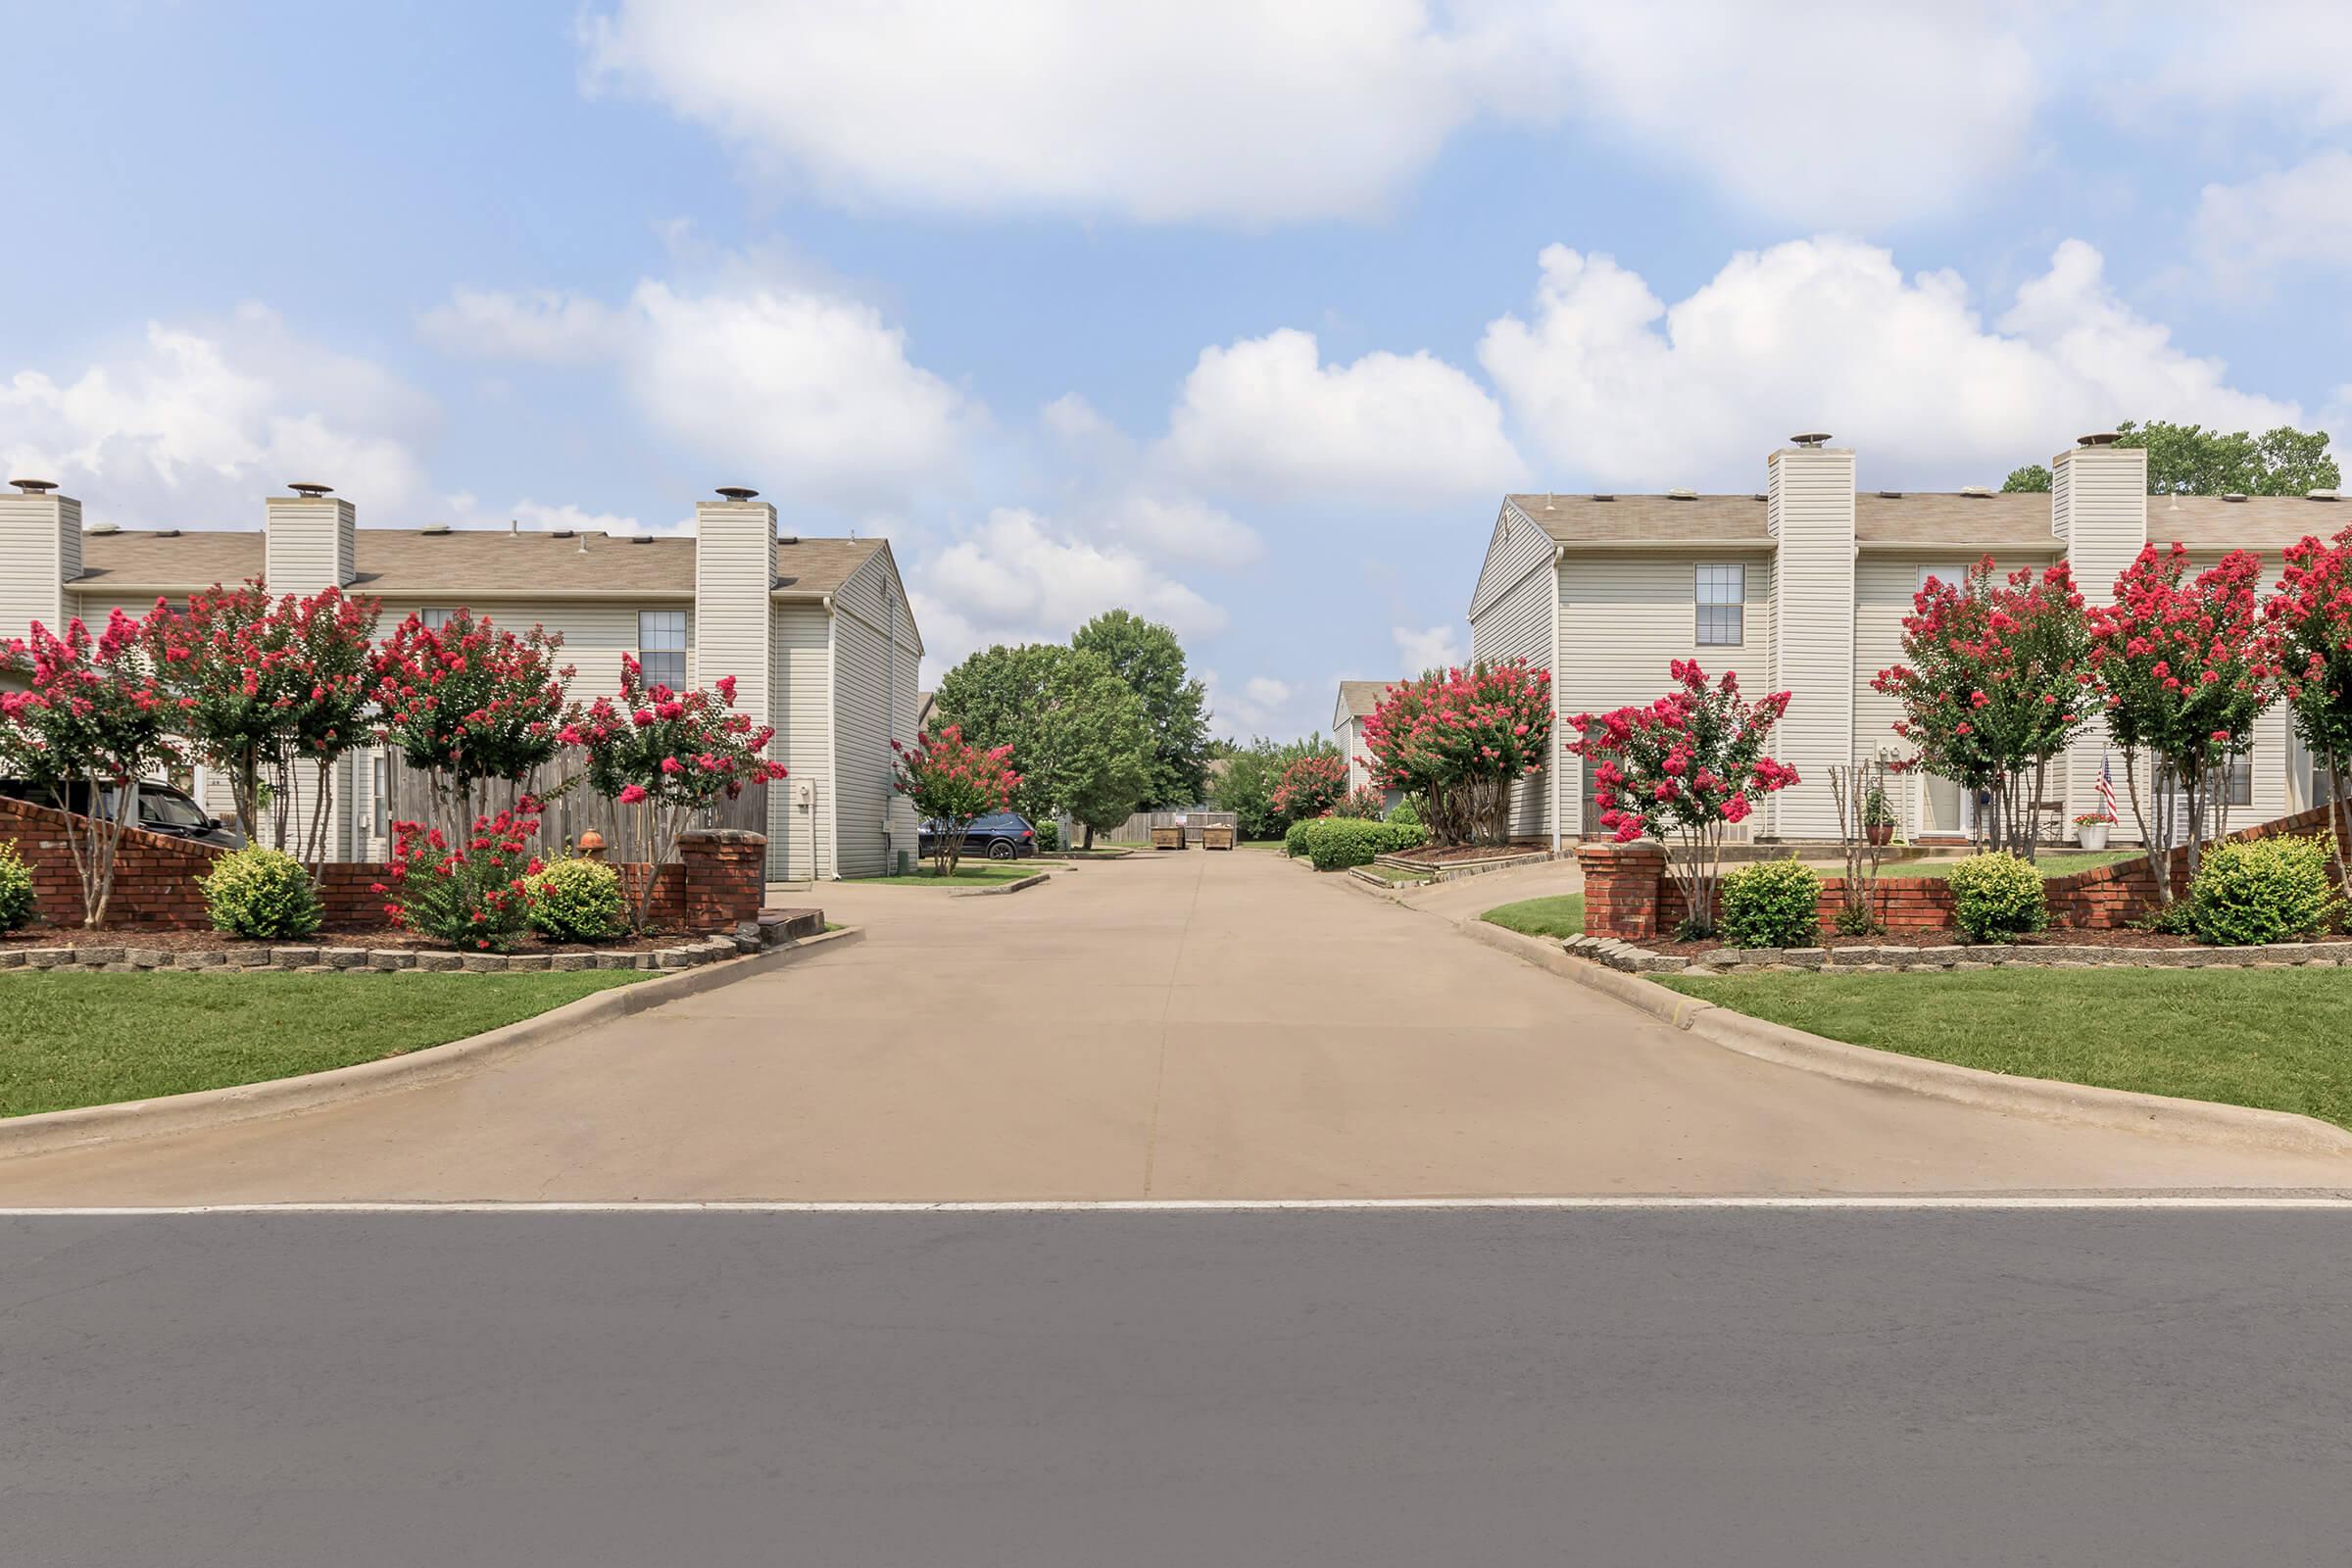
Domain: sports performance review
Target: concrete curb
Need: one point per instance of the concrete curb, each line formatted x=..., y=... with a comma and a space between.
x=46, y=1132
x=1002, y=888
x=2046, y=1098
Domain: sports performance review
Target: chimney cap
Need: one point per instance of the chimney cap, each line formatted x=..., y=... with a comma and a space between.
x=2098, y=438
x=34, y=487
x=310, y=490
x=1810, y=438
x=737, y=491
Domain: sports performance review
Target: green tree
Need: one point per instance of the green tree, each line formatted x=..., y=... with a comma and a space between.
x=1246, y=787
x=1094, y=741
x=998, y=697
x=1151, y=661
x=2034, y=477
x=2189, y=460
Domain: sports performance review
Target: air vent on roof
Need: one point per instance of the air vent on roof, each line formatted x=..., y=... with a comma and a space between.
x=2098, y=438
x=309, y=490
x=437, y=528
x=34, y=487
x=641, y=538
x=562, y=533
x=788, y=539
x=1599, y=497
x=1890, y=494
x=104, y=527
x=1974, y=492
x=1811, y=438
x=1759, y=496
x=2321, y=494
x=1681, y=495
x=736, y=492
x=2234, y=496
x=166, y=533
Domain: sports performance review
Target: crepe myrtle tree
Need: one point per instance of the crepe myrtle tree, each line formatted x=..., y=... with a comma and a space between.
x=1311, y=786
x=1457, y=738
x=949, y=782
x=2184, y=670
x=669, y=757
x=470, y=705
x=1683, y=769
x=1995, y=686
x=94, y=723
x=2308, y=643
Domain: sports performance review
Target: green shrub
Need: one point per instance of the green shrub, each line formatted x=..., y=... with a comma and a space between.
x=1404, y=811
x=260, y=893
x=16, y=889
x=577, y=900
x=1048, y=836
x=2250, y=891
x=1293, y=838
x=1772, y=904
x=1996, y=897
x=1335, y=843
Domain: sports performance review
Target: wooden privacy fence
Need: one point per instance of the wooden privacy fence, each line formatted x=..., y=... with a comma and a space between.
x=565, y=816
x=1137, y=829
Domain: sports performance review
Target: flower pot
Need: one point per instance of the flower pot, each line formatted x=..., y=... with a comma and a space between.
x=1879, y=833
x=2092, y=835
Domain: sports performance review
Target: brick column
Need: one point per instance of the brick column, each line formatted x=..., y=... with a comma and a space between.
x=1621, y=887
x=726, y=876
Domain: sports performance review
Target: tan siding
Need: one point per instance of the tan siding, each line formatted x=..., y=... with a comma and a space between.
x=1812, y=517
x=1512, y=550
x=1515, y=623
x=309, y=543
x=37, y=535
x=800, y=839
x=862, y=746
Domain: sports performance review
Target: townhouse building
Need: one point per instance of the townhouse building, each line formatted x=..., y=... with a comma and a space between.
x=1804, y=585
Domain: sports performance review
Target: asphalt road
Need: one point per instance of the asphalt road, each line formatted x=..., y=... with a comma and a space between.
x=1131, y=1390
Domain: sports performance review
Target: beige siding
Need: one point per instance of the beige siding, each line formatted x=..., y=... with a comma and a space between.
x=309, y=546
x=799, y=838
x=1515, y=547
x=2099, y=507
x=1624, y=619
x=1515, y=622
x=40, y=547
x=1811, y=514
x=862, y=746
x=1343, y=736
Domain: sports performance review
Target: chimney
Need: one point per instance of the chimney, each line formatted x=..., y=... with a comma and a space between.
x=1809, y=510
x=2099, y=509
x=734, y=618
x=40, y=551
x=311, y=544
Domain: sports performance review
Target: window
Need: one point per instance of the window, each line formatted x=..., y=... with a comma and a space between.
x=1950, y=576
x=383, y=797
x=662, y=646
x=2241, y=787
x=1722, y=606
x=434, y=619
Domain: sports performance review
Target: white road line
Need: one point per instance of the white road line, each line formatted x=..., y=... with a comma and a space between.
x=2258, y=1201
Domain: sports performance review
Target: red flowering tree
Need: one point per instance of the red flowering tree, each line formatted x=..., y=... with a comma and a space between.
x=1365, y=801
x=472, y=706
x=2309, y=647
x=471, y=892
x=1457, y=739
x=1993, y=687
x=93, y=723
x=1311, y=786
x=270, y=692
x=951, y=781
x=2185, y=671
x=670, y=756
x=1682, y=770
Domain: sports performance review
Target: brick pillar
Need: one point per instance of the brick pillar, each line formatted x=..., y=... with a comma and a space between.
x=1621, y=888
x=726, y=876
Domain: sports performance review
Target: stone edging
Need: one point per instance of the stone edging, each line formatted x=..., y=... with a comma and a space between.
x=1460, y=869
x=1001, y=889
x=1634, y=958
x=2049, y=1099
x=48, y=1131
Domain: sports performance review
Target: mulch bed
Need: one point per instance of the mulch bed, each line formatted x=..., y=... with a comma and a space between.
x=1454, y=854
x=388, y=938
x=2055, y=937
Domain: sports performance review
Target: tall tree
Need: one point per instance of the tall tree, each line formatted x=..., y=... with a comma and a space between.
x=2189, y=460
x=2034, y=477
x=997, y=696
x=1095, y=743
x=1149, y=659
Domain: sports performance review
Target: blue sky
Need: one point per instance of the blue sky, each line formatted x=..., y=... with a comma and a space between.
x=1240, y=316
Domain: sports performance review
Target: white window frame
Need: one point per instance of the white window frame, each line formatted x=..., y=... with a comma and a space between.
x=1702, y=605
x=645, y=626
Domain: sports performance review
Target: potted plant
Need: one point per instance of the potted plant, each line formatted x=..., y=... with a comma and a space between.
x=1877, y=816
x=2091, y=829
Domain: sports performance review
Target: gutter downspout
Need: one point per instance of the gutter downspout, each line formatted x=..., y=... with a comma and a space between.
x=1559, y=553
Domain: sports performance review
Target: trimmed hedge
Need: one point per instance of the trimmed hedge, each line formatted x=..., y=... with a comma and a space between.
x=2251, y=891
x=1996, y=897
x=577, y=900
x=16, y=889
x=1335, y=843
x=1293, y=839
x=1772, y=904
x=260, y=893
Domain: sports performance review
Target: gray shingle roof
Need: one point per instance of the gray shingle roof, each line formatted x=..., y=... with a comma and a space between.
x=460, y=564
x=1358, y=697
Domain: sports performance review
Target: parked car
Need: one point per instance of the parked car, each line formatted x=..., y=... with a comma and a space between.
x=1004, y=836
x=161, y=810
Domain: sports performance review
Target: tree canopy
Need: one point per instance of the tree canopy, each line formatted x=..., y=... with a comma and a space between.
x=1149, y=658
x=1080, y=739
x=1245, y=785
x=2188, y=460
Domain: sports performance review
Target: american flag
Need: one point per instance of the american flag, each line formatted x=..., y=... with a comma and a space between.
x=2106, y=788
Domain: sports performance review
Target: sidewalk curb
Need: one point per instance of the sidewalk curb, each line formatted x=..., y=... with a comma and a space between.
x=2046, y=1098
x=85, y=1126
x=1002, y=888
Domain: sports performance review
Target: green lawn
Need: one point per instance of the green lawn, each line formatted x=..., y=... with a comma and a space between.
x=69, y=1040
x=975, y=874
x=1259, y=844
x=1559, y=917
x=2278, y=1039
x=2050, y=862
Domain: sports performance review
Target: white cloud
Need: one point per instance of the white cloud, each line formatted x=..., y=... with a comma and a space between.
x=763, y=376
x=2290, y=218
x=1259, y=705
x=1424, y=648
x=1183, y=529
x=1236, y=110
x=1266, y=418
x=546, y=327
x=1019, y=577
x=194, y=423
x=2281, y=60
x=466, y=511
x=1115, y=492
x=1826, y=333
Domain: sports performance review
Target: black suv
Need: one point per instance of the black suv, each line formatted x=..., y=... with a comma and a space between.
x=1004, y=836
x=161, y=810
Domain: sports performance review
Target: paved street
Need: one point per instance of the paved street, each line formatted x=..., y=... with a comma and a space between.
x=1189, y=1025
x=1355, y=1389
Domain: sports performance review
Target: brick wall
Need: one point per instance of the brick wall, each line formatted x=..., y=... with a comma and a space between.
x=717, y=882
x=1629, y=895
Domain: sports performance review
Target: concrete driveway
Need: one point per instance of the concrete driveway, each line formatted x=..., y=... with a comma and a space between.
x=1188, y=1025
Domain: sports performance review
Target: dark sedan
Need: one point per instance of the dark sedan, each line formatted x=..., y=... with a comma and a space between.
x=1004, y=836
